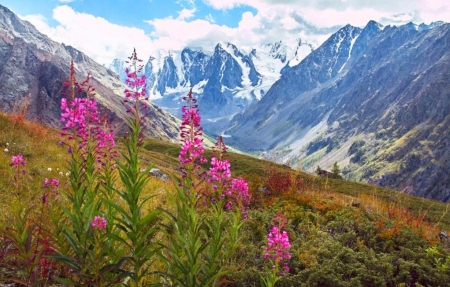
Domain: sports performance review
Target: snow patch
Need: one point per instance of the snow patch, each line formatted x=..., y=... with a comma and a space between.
x=349, y=52
x=244, y=68
x=198, y=89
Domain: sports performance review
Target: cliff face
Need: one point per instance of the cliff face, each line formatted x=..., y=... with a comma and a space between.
x=376, y=100
x=33, y=69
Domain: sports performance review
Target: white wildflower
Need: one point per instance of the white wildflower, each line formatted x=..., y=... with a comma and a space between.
x=49, y=169
x=6, y=150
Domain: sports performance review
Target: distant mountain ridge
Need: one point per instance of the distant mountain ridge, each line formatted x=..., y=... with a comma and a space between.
x=226, y=80
x=376, y=100
x=33, y=69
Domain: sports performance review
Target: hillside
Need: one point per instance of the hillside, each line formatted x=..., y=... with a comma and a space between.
x=342, y=233
x=33, y=69
x=375, y=100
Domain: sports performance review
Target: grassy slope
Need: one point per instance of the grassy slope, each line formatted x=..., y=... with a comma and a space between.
x=165, y=154
x=41, y=149
x=328, y=218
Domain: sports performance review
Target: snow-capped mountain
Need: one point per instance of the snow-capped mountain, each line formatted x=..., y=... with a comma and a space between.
x=376, y=100
x=226, y=80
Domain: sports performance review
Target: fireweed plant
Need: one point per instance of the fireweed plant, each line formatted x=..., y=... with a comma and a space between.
x=99, y=232
x=277, y=251
x=138, y=230
x=91, y=259
x=205, y=224
x=28, y=238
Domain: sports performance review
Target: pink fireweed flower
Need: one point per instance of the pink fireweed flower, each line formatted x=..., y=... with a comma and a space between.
x=81, y=122
x=17, y=161
x=135, y=80
x=236, y=194
x=54, y=182
x=78, y=114
x=278, y=244
x=105, y=139
x=190, y=116
x=191, y=153
x=220, y=170
x=239, y=187
x=233, y=191
x=136, y=83
x=98, y=222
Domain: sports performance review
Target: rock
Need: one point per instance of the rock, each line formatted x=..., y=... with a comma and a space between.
x=443, y=236
x=33, y=69
x=263, y=189
x=156, y=172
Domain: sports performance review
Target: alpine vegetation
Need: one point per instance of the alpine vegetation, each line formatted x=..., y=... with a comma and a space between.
x=223, y=219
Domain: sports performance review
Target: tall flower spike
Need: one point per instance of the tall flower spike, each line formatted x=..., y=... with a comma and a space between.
x=278, y=244
x=220, y=147
x=135, y=94
x=71, y=83
x=191, y=154
x=80, y=118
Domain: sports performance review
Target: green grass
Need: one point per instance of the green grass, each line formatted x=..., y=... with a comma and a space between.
x=434, y=211
x=41, y=149
x=330, y=220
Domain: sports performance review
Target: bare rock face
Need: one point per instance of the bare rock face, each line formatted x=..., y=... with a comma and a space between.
x=377, y=100
x=33, y=69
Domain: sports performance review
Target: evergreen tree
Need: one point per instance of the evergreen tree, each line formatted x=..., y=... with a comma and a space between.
x=318, y=170
x=335, y=170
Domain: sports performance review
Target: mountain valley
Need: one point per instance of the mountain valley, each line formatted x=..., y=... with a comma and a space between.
x=374, y=99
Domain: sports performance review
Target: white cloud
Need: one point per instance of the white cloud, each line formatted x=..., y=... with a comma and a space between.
x=186, y=13
x=229, y=4
x=266, y=26
x=327, y=13
x=274, y=20
x=101, y=40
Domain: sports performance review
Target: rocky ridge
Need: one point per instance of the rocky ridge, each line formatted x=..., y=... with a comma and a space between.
x=33, y=69
x=226, y=80
x=376, y=100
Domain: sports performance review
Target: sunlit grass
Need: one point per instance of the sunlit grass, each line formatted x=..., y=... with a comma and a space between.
x=298, y=193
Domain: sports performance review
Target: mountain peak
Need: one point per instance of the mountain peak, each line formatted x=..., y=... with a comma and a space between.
x=373, y=25
x=40, y=66
x=347, y=27
x=432, y=25
x=411, y=26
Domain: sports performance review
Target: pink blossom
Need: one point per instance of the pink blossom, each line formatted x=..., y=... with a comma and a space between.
x=237, y=194
x=98, y=222
x=278, y=244
x=54, y=182
x=17, y=160
x=233, y=191
x=220, y=170
x=135, y=80
x=191, y=153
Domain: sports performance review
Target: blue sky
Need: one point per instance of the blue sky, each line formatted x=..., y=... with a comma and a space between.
x=108, y=29
x=129, y=12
